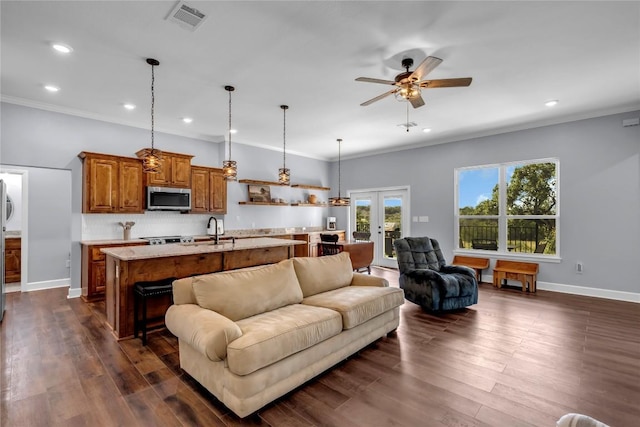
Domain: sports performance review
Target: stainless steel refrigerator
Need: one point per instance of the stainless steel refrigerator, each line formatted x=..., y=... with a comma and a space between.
x=3, y=227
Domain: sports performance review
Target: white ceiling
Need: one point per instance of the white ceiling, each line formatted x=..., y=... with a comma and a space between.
x=307, y=54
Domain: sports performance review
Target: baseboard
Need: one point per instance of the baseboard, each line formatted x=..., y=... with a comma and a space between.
x=589, y=292
x=46, y=284
x=581, y=290
x=74, y=293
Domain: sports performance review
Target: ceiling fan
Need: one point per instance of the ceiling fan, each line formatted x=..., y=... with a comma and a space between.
x=410, y=83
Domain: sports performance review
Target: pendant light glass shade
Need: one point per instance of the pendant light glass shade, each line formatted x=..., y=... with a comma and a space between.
x=339, y=201
x=152, y=158
x=230, y=167
x=284, y=175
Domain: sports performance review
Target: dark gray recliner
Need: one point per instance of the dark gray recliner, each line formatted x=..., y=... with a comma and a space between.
x=428, y=281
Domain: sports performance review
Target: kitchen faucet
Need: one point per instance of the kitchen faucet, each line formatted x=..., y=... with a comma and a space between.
x=215, y=235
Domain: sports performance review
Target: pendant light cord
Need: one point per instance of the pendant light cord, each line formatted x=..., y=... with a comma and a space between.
x=153, y=102
x=229, y=125
x=339, y=173
x=284, y=137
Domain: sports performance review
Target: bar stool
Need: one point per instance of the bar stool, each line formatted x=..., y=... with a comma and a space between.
x=142, y=291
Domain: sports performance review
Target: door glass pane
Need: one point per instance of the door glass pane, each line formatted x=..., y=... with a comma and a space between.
x=363, y=215
x=479, y=234
x=532, y=236
x=478, y=191
x=392, y=224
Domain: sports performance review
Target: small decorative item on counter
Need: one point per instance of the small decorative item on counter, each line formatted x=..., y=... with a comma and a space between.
x=313, y=198
x=126, y=228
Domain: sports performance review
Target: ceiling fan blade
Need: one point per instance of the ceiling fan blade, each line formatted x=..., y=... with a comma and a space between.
x=430, y=84
x=416, y=101
x=370, y=80
x=378, y=98
x=425, y=67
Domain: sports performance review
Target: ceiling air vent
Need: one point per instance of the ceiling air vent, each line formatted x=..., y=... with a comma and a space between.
x=186, y=16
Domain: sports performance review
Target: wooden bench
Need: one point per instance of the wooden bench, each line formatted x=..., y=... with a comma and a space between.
x=478, y=264
x=524, y=272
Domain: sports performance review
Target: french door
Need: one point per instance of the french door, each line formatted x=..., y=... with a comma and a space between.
x=385, y=214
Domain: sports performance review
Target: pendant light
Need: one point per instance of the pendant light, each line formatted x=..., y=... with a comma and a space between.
x=151, y=158
x=230, y=167
x=284, y=175
x=339, y=201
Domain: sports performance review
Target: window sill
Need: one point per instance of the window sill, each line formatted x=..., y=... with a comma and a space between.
x=554, y=259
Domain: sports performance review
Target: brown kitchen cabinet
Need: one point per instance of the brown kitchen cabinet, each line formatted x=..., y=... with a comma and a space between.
x=208, y=190
x=93, y=272
x=111, y=184
x=175, y=170
x=12, y=259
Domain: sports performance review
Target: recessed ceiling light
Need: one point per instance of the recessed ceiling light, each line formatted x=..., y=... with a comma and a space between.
x=426, y=130
x=129, y=106
x=52, y=88
x=551, y=103
x=233, y=131
x=187, y=119
x=62, y=48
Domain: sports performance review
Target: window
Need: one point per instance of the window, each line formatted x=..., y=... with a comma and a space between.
x=511, y=207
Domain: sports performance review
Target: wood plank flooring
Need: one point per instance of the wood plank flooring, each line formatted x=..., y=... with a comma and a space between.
x=514, y=359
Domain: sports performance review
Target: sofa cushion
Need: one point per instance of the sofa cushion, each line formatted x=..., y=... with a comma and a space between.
x=272, y=336
x=358, y=304
x=243, y=293
x=325, y=273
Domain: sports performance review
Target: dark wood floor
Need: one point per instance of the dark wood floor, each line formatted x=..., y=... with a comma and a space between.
x=512, y=360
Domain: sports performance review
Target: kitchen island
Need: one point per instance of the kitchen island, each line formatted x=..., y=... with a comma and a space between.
x=127, y=265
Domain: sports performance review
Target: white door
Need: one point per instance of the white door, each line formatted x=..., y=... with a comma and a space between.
x=385, y=214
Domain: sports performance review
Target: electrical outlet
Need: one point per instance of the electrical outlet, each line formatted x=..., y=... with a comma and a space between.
x=68, y=263
x=579, y=267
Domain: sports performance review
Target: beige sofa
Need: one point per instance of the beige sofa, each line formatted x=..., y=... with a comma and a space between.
x=251, y=335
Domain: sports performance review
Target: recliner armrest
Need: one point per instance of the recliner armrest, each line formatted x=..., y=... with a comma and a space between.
x=461, y=269
x=205, y=330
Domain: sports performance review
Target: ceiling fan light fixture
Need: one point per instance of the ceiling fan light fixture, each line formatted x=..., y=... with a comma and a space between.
x=152, y=158
x=230, y=167
x=407, y=92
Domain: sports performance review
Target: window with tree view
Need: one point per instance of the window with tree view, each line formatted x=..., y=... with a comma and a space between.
x=508, y=207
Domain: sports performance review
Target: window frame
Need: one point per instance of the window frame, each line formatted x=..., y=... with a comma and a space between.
x=503, y=217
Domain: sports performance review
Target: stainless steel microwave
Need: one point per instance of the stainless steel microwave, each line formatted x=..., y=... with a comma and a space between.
x=168, y=199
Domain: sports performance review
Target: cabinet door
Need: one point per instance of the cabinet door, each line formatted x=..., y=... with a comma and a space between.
x=98, y=278
x=200, y=194
x=12, y=261
x=181, y=171
x=218, y=186
x=130, y=188
x=101, y=185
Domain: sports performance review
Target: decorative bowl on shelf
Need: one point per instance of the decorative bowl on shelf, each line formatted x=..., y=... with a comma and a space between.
x=313, y=198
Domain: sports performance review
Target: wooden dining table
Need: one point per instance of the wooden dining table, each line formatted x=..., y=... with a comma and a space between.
x=361, y=253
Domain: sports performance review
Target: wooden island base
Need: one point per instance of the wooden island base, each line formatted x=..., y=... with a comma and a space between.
x=123, y=271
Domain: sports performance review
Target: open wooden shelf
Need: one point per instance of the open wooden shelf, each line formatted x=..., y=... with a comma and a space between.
x=275, y=183
x=310, y=187
x=319, y=205
x=264, y=203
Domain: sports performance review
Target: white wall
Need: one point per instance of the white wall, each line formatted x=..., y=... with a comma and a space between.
x=599, y=192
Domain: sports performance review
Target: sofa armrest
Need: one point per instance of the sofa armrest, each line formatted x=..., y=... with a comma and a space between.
x=203, y=329
x=366, y=280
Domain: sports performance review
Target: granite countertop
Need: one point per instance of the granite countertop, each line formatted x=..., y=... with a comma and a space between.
x=238, y=234
x=131, y=253
x=10, y=234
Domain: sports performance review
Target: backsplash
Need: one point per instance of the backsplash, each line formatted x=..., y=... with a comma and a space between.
x=149, y=224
